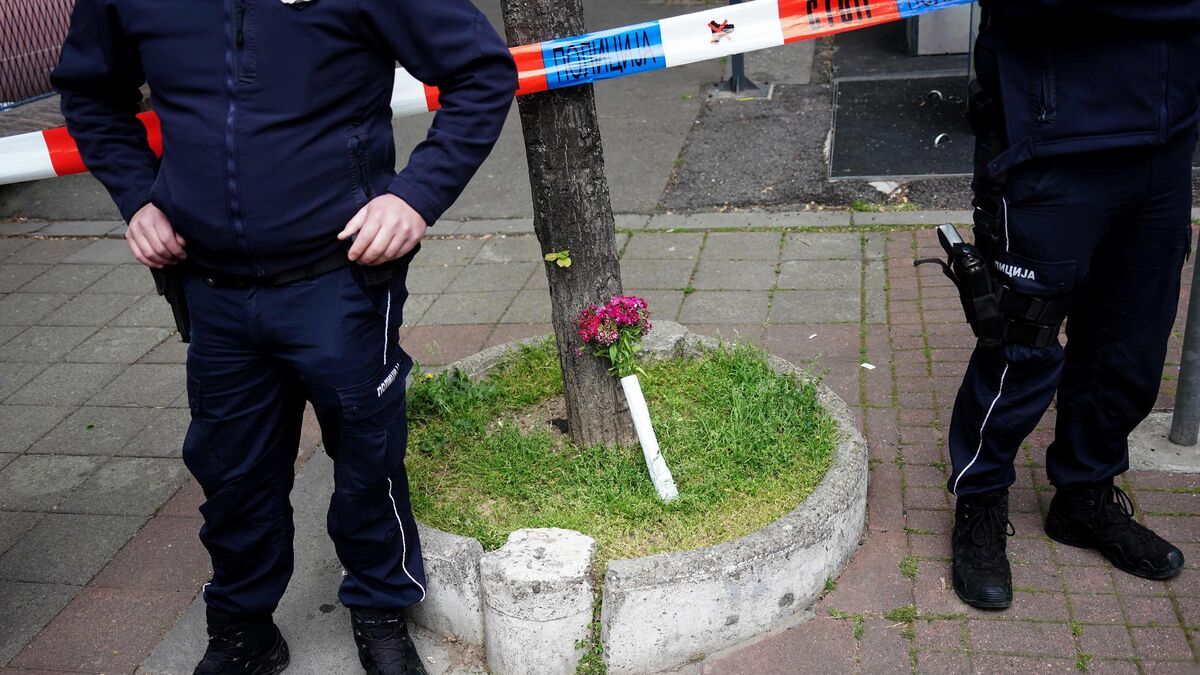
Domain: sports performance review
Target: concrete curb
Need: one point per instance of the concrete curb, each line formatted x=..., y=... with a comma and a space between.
x=665, y=611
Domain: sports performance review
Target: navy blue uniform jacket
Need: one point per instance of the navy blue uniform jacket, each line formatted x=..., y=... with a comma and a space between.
x=1083, y=75
x=275, y=117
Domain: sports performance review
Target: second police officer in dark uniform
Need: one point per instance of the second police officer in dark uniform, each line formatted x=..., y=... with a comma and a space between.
x=278, y=154
x=1085, y=113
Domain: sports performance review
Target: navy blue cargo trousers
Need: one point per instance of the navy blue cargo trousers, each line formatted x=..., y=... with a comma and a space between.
x=1109, y=232
x=258, y=353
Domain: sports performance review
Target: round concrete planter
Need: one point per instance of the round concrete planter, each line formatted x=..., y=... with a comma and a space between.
x=665, y=611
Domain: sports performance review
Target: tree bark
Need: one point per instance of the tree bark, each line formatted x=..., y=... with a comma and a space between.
x=572, y=212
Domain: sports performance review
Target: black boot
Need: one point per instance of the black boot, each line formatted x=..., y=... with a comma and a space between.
x=243, y=647
x=384, y=647
x=982, y=576
x=1101, y=517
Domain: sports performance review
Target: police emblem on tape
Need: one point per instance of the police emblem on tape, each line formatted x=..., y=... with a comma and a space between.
x=720, y=31
x=387, y=381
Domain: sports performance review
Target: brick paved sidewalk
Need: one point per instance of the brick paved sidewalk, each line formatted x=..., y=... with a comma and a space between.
x=98, y=522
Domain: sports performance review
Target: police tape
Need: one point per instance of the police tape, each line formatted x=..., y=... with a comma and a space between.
x=555, y=64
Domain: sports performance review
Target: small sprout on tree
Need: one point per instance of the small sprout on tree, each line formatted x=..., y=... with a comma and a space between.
x=562, y=258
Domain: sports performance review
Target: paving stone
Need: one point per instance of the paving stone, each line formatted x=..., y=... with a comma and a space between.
x=127, y=486
x=447, y=252
x=912, y=218
x=528, y=307
x=95, y=431
x=505, y=226
x=66, y=279
x=104, y=251
x=65, y=384
x=510, y=249
x=415, y=307
x=1106, y=642
x=883, y=648
x=431, y=279
x=942, y=636
x=48, y=251
x=654, y=246
x=143, y=384
x=504, y=333
x=25, y=609
x=468, y=308
x=172, y=350
x=825, y=641
x=185, y=503
x=501, y=277
x=844, y=275
x=805, y=342
x=125, y=280
x=439, y=345
x=987, y=664
x=22, y=425
x=118, y=345
x=9, y=332
x=822, y=246
x=165, y=555
x=115, y=643
x=13, y=276
x=13, y=526
x=760, y=246
x=67, y=548
x=742, y=333
x=89, y=310
x=1042, y=639
x=1150, y=611
x=826, y=306
x=10, y=245
x=664, y=304
x=150, y=310
x=937, y=662
x=734, y=275
x=724, y=307
x=39, y=482
x=85, y=228
x=26, y=309
x=872, y=582
x=1161, y=643
x=19, y=227
x=636, y=273
x=162, y=436
x=43, y=344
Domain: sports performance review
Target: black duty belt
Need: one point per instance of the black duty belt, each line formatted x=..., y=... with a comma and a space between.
x=330, y=263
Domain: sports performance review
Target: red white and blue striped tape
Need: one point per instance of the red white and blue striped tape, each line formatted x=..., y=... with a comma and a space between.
x=699, y=36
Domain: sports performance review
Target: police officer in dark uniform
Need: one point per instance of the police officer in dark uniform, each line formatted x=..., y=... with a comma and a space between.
x=1085, y=113
x=288, y=235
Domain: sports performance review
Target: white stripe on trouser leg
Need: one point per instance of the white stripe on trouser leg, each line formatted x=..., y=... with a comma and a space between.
x=387, y=321
x=403, y=543
x=986, y=417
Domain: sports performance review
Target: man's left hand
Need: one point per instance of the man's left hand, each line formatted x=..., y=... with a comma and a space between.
x=386, y=228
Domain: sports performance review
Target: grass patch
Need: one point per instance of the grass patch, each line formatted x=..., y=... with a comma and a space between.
x=908, y=567
x=905, y=614
x=745, y=445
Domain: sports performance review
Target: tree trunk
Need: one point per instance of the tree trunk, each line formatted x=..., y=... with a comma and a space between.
x=572, y=212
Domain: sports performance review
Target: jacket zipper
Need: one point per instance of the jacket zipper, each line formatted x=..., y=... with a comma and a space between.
x=1046, y=111
x=360, y=166
x=234, y=17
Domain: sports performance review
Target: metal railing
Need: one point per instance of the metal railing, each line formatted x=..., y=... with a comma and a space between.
x=31, y=37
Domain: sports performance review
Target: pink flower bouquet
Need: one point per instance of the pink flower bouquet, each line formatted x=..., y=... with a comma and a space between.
x=614, y=331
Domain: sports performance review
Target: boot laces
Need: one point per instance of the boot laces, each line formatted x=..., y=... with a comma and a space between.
x=1116, y=508
x=385, y=642
x=987, y=527
x=228, y=646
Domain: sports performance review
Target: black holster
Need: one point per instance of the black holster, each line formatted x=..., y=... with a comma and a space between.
x=169, y=283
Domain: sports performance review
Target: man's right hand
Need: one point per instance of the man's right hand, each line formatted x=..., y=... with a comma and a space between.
x=152, y=239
